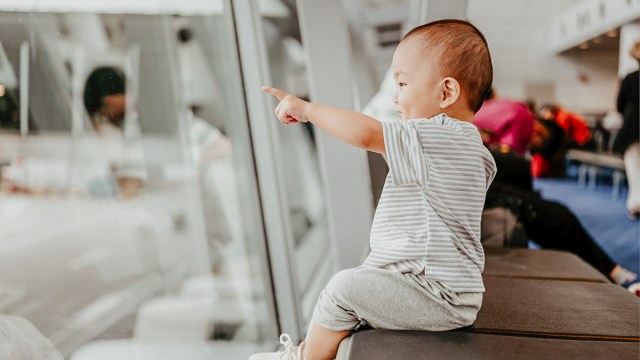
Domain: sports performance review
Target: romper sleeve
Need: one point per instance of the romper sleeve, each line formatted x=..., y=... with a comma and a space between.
x=404, y=153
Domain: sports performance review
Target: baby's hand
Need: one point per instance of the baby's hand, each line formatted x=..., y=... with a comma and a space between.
x=290, y=109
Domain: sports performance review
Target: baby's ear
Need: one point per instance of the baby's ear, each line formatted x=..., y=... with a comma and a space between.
x=450, y=92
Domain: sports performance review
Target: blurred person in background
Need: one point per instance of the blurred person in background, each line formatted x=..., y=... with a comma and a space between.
x=507, y=128
x=104, y=99
x=547, y=149
x=556, y=131
x=549, y=224
x=105, y=102
x=505, y=123
x=577, y=133
x=627, y=139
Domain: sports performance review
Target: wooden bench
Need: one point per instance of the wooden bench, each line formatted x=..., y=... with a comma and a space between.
x=455, y=345
x=538, y=264
x=591, y=162
x=547, y=304
x=558, y=309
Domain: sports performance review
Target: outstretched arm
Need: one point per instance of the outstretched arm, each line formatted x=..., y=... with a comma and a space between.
x=351, y=127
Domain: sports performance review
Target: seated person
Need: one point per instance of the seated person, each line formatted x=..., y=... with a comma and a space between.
x=628, y=139
x=505, y=123
x=577, y=133
x=547, y=150
x=424, y=268
x=549, y=224
x=514, y=177
x=105, y=101
x=558, y=130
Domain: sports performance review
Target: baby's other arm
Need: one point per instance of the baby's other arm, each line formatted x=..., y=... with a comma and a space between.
x=349, y=126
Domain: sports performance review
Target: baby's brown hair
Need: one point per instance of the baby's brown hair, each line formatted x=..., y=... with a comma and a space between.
x=463, y=54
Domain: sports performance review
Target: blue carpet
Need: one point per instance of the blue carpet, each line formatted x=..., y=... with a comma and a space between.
x=603, y=217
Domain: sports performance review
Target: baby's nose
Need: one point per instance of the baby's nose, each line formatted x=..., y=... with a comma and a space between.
x=395, y=100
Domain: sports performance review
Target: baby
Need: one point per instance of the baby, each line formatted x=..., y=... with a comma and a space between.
x=424, y=269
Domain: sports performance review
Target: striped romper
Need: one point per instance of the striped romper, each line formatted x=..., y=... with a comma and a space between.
x=424, y=269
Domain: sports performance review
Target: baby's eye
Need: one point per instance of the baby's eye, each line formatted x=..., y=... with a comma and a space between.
x=401, y=84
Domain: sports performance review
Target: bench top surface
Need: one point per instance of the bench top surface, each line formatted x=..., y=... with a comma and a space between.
x=525, y=318
x=599, y=159
x=401, y=345
x=538, y=264
x=557, y=308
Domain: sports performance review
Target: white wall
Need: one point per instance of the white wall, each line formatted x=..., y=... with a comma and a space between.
x=518, y=32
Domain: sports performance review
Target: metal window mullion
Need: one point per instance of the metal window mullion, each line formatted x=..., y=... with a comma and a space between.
x=345, y=170
x=253, y=59
x=24, y=89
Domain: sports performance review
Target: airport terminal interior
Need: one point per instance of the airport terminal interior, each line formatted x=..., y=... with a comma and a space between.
x=153, y=207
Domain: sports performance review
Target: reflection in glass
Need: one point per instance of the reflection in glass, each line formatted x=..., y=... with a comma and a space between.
x=9, y=116
x=130, y=219
x=304, y=190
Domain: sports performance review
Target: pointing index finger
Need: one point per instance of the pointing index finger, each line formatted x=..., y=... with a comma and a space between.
x=275, y=92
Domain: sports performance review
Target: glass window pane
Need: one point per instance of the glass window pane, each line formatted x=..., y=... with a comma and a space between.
x=130, y=216
x=304, y=189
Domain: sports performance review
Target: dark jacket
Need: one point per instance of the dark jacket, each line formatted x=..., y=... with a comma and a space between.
x=628, y=106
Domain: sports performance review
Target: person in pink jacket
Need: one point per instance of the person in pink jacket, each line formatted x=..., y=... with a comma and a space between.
x=503, y=122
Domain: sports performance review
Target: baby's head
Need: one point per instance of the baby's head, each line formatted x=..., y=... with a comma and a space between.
x=442, y=66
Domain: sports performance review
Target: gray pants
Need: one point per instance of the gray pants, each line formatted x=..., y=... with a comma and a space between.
x=388, y=299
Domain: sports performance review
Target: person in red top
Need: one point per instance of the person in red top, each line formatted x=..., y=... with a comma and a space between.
x=547, y=149
x=575, y=128
x=557, y=131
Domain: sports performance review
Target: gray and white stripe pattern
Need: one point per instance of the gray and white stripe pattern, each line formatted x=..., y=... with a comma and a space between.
x=428, y=217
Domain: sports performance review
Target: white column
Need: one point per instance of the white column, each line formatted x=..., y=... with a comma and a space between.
x=629, y=34
x=346, y=174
